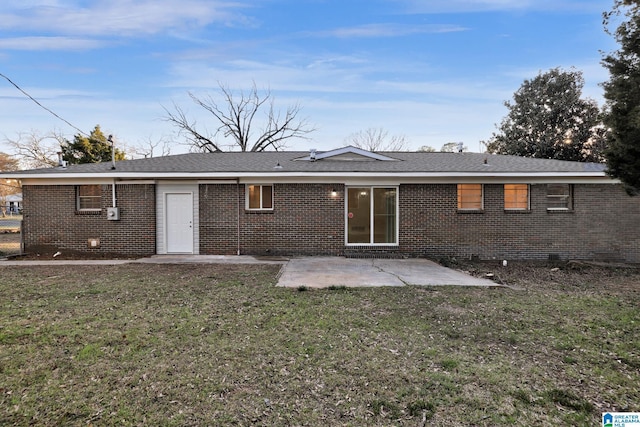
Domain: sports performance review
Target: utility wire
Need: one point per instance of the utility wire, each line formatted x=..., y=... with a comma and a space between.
x=42, y=106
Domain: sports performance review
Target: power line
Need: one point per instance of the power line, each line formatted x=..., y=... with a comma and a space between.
x=42, y=106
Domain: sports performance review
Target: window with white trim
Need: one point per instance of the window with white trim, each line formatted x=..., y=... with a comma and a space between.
x=516, y=197
x=89, y=198
x=559, y=197
x=259, y=197
x=470, y=197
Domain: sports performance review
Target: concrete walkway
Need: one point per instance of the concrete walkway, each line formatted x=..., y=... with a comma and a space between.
x=155, y=259
x=211, y=259
x=322, y=272
x=312, y=272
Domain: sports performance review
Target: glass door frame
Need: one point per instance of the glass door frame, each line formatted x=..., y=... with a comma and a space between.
x=371, y=189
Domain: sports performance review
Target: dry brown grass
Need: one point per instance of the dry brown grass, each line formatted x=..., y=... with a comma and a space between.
x=9, y=243
x=220, y=345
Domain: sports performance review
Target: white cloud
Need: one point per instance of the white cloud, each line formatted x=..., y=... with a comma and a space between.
x=387, y=30
x=339, y=76
x=423, y=122
x=49, y=43
x=238, y=74
x=42, y=93
x=342, y=94
x=468, y=6
x=117, y=17
x=344, y=78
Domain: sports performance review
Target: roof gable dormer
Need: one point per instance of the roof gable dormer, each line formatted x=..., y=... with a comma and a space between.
x=346, y=154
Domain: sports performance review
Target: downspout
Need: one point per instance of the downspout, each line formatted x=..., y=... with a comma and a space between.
x=238, y=218
x=113, y=193
x=113, y=167
x=22, y=227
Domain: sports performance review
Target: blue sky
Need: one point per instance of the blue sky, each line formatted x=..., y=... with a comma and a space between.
x=435, y=71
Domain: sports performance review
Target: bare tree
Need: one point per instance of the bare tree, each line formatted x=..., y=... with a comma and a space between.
x=36, y=151
x=237, y=116
x=8, y=163
x=151, y=148
x=453, y=147
x=377, y=139
x=427, y=149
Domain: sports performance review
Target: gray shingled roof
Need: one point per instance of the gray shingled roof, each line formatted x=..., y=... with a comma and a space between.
x=290, y=162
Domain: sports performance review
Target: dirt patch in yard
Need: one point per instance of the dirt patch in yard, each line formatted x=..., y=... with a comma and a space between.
x=9, y=243
x=569, y=276
x=10, y=247
x=47, y=254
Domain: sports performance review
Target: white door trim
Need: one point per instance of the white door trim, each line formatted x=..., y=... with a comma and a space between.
x=163, y=187
x=185, y=224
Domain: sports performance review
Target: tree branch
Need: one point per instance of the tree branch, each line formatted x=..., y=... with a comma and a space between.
x=187, y=128
x=238, y=119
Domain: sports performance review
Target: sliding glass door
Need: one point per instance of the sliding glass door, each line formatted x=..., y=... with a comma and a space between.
x=372, y=216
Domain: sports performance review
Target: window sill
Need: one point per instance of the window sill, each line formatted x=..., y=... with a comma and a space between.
x=258, y=211
x=517, y=211
x=470, y=211
x=375, y=247
x=87, y=212
x=560, y=211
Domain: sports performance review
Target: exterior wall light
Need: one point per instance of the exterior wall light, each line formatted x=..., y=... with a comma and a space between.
x=334, y=193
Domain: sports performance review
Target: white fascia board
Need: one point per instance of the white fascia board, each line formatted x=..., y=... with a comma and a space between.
x=342, y=180
x=326, y=177
x=375, y=183
x=234, y=175
x=365, y=178
x=218, y=181
x=136, y=181
x=510, y=178
x=66, y=181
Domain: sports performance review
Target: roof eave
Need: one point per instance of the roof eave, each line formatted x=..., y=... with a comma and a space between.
x=280, y=174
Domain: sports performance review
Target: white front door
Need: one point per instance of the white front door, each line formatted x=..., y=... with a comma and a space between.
x=179, y=225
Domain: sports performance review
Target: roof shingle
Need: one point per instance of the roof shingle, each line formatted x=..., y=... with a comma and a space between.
x=265, y=162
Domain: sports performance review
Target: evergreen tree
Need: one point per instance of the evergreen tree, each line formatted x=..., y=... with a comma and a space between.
x=548, y=119
x=92, y=149
x=622, y=93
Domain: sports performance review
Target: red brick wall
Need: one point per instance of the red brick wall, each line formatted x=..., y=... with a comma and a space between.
x=51, y=222
x=603, y=224
x=305, y=219
x=218, y=219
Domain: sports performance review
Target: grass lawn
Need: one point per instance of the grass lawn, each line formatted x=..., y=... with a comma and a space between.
x=220, y=345
x=9, y=235
x=9, y=242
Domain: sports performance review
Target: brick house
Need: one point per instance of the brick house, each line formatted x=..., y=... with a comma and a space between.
x=341, y=202
x=13, y=204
